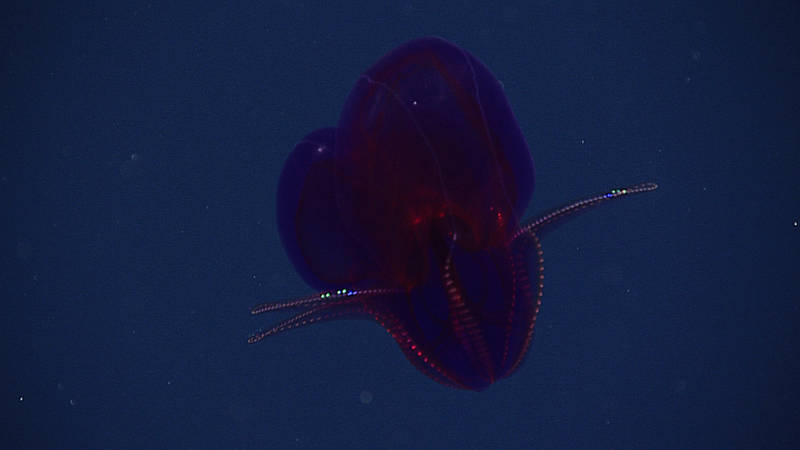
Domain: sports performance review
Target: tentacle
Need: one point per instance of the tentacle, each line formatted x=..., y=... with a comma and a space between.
x=314, y=315
x=539, y=224
x=321, y=307
x=322, y=297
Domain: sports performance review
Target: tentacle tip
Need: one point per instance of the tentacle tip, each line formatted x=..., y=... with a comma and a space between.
x=255, y=337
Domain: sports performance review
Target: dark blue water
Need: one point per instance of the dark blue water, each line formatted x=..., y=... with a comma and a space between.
x=140, y=146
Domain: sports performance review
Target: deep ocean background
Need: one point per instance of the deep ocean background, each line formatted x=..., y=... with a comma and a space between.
x=140, y=147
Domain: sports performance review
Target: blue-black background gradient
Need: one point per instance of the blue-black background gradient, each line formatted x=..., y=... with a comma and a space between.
x=140, y=147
